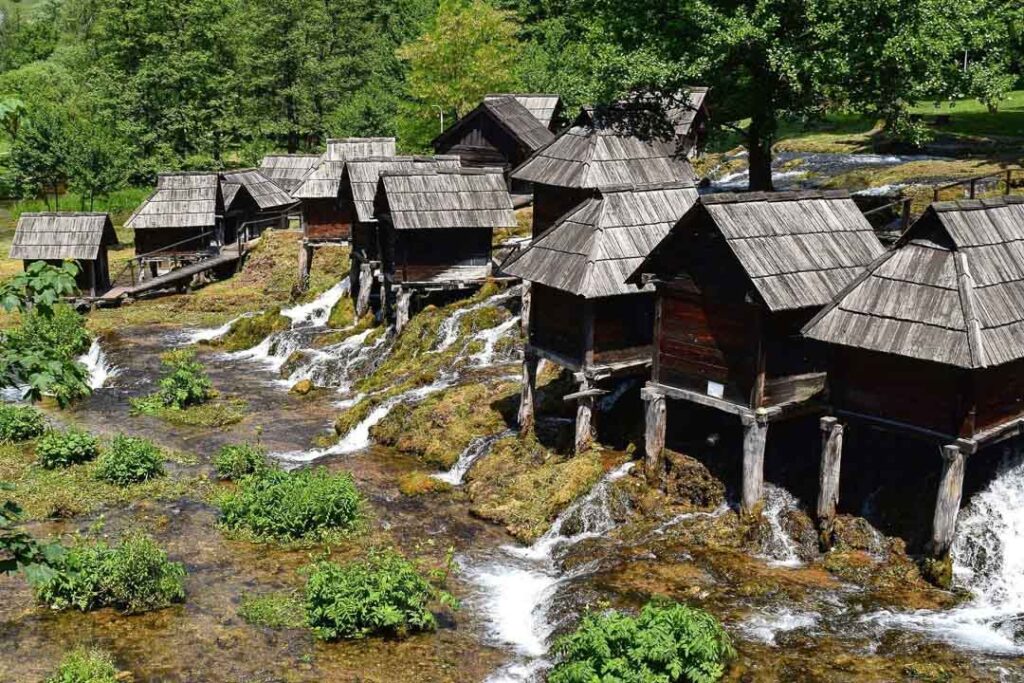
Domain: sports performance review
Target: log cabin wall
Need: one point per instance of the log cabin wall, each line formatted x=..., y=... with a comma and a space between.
x=325, y=220
x=998, y=394
x=159, y=239
x=906, y=390
x=556, y=322
x=551, y=203
x=424, y=255
x=623, y=328
x=364, y=241
x=484, y=144
x=706, y=339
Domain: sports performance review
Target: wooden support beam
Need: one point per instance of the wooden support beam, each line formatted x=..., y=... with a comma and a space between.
x=584, y=421
x=364, y=289
x=403, y=310
x=947, y=504
x=528, y=397
x=655, y=422
x=828, y=479
x=755, y=434
x=527, y=307
x=585, y=393
x=305, y=264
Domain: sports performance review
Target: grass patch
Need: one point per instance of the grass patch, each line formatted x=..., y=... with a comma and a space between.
x=439, y=428
x=248, y=332
x=523, y=486
x=273, y=610
x=420, y=483
x=77, y=490
x=307, y=505
x=215, y=413
x=85, y=665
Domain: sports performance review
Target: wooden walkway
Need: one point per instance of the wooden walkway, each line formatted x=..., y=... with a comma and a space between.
x=227, y=255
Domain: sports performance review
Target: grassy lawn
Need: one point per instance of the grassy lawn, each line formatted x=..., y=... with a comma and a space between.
x=970, y=117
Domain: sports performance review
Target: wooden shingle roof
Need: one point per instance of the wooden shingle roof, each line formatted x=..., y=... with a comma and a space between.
x=510, y=115
x=361, y=177
x=678, y=114
x=322, y=180
x=950, y=291
x=543, y=106
x=58, y=236
x=593, y=154
x=265, y=192
x=288, y=170
x=592, y=250
x=181, y=200
x=445, y=198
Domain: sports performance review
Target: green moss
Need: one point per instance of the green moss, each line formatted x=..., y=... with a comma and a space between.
x=273, y=610
x=75, y=490
x=216, y=413
x=246, y=333
x=523, y=486
x=440, y=427
x=418, y=483
x=343, y=314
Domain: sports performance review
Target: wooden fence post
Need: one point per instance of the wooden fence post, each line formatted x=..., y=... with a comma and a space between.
x=655, y=424
x=755, y=434
x=527, y=399
x=828, y=478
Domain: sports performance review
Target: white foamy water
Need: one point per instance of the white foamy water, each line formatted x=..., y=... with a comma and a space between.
x=779, y=548
x=988, y=561
x=358, y=438
x=448, y=332
x=317, y=312
x=212, y=333
x=99, y=368
x=478, y=448
x=490, y=338
x=766, y=626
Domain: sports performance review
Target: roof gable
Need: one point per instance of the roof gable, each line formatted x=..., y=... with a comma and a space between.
x=543, y=106
x=951, y=291
x=361, y=176
x=510, y=115
x=288, y=170
x=444, y=198
x=323, y=179
x=181, y=200
x=592, y=250
x=58, y=236
x=266, y=193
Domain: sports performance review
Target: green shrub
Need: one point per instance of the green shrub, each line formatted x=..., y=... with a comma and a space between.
x=63, y=332
x=133, y=577
x=62, y=448
x=666, y=643
x=83, y=665
x=273, y=610
x=382, y=595
x=130, y=460
x=239, y=460
x=279, y=505
x=185, y=383
x=20, y=423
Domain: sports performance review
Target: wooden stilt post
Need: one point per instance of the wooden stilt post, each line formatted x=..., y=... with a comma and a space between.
x=755, y=433
x=305, y=264
x=947, y=504
x=655, y=422
x=154, y=270
x=584, y=419
x=828, y=478
x=527, y=400
x=527, y=305
x=402, y=314
x=364, y=289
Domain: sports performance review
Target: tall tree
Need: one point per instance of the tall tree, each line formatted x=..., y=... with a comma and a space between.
x=39, y=156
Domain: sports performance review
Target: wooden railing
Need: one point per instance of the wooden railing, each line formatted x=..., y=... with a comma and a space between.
x=971, y=184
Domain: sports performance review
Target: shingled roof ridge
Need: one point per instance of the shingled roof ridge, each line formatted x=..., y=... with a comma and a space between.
x=646, y=187
x=287, y=155
x=58, y=214
x=522, y=94
x=175, y=174
x=428, y=170
x=976, y=204
x=359, y=139
x=758, y=196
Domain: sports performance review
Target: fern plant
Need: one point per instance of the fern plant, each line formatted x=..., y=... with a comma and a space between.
x=666, y=643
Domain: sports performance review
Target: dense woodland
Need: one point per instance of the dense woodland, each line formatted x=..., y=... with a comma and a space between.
x=99, y=94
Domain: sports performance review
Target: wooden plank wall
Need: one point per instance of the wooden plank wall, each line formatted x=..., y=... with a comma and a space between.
x=623, y=327
x=556, y=322
x=154, y=239
x=999, y=394
x=324, y=219
x=422, y=255
x=551, y=203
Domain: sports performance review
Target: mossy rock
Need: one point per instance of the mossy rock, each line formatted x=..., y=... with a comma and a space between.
x=343, y=314
x=418, y=483
x=246, y=333
x=302, y=387
x=691, y=484
x=292, y=363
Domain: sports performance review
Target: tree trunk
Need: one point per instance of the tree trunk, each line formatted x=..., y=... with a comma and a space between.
x=760, y=137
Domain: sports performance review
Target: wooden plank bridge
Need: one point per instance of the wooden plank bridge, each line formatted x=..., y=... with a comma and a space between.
x=231, y=254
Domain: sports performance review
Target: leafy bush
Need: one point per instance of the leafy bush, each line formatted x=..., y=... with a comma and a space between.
x=273, y=610
x=62, y=448
x=133, y=577
x=83, y=665
x=185, y=383
x=667, y=643
x=239, y=460
x=63, y=332
x=382, y=595
x=130, y=460
x=274, y=504
x=20, y=423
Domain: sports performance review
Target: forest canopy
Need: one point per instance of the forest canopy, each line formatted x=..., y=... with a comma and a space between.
x=98, y=94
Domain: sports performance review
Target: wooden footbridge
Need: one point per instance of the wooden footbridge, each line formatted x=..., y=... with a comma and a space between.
x=179, y=277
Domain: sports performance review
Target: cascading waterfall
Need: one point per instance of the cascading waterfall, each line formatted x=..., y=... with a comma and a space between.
x=448, y=332
x=779, y=547
x=99, y=368
x=212, y=333
x=477, y=448
x=317, y=312
x=518, y=586
x=490, y=338
x=988, y=561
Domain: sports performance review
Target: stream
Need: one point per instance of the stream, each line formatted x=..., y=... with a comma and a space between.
x=791, y=619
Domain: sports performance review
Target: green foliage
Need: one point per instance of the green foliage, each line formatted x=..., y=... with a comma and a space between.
x=240, y=460
x=63, y=331
x=273, y=610
x=83, y=665
x=185, y=382
x=18, y=550
x=39, y=287
x=130, y=460
x=666, y=643
x=249, y=331
x=382, y=595
x=134, y=577
x=305, y=504
x=62, y=448
x=20, y=423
